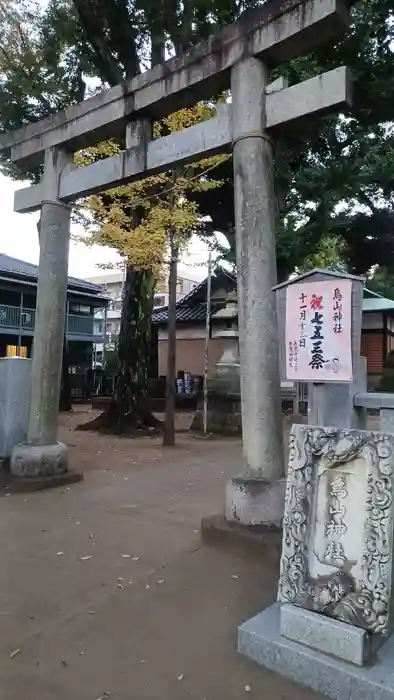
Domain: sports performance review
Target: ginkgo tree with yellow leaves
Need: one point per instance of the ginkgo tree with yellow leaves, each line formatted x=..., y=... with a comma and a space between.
x=149, y=223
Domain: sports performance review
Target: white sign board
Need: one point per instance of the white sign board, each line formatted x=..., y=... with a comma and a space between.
x=318, y=331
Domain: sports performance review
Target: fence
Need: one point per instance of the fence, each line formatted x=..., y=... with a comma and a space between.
x=16, y=317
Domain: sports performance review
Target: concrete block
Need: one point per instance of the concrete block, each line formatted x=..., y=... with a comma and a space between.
x=325, y=634
x=15, y=377
x=260, y=639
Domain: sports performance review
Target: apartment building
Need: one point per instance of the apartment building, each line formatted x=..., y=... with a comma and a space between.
x=108, y=323
x=18, y=298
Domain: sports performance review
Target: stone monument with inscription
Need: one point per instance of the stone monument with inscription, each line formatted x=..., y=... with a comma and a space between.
x=338, y=527
x=331, y=626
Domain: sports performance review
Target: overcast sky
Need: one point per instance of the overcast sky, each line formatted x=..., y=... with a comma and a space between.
x=18, y=238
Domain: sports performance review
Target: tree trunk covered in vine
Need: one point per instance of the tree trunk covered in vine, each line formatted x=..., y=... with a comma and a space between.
x=129, y=411
x=130, y=404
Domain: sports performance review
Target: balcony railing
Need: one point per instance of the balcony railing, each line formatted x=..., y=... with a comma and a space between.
x=80, y=325
x=10, y=316
x=28, y=318
x=14, y=318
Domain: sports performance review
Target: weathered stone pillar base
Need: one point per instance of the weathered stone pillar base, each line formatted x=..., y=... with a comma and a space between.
x=39, y=467
x=255, y=502
x=37, y=461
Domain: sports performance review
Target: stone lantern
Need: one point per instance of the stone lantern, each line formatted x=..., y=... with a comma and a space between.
x=224, y=378
x=224, y=394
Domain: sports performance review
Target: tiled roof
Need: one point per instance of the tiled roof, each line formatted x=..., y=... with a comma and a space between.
x=192, y=307
x=20, y=268
x=184, y=314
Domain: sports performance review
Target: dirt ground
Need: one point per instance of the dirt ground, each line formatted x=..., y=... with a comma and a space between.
x=106, y=590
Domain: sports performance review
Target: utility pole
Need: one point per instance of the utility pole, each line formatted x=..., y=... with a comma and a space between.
x=207, y=334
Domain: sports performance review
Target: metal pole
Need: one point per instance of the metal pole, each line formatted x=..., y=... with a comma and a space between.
x=207, y=332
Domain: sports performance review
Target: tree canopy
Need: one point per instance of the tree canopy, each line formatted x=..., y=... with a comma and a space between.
x=156, y=206
x=334, y=177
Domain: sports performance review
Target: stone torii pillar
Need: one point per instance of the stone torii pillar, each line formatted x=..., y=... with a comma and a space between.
x=256, y=496
x=42, y=455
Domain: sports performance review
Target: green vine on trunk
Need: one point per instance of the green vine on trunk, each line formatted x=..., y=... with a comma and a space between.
x=129, y=412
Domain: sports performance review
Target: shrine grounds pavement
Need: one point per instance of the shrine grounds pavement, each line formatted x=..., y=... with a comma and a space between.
x=107, y=592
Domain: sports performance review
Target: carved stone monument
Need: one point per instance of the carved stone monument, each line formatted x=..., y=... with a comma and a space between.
x=338, y=525
x=331, y=626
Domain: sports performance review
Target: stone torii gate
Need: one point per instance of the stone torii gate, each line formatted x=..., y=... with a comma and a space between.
x=238, y=57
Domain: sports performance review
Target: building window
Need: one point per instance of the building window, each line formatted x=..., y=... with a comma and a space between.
x=159, y=300
x=109, y=327
x=80, y=309
x=10, y=298
x=98, y=327
x=29, y=301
